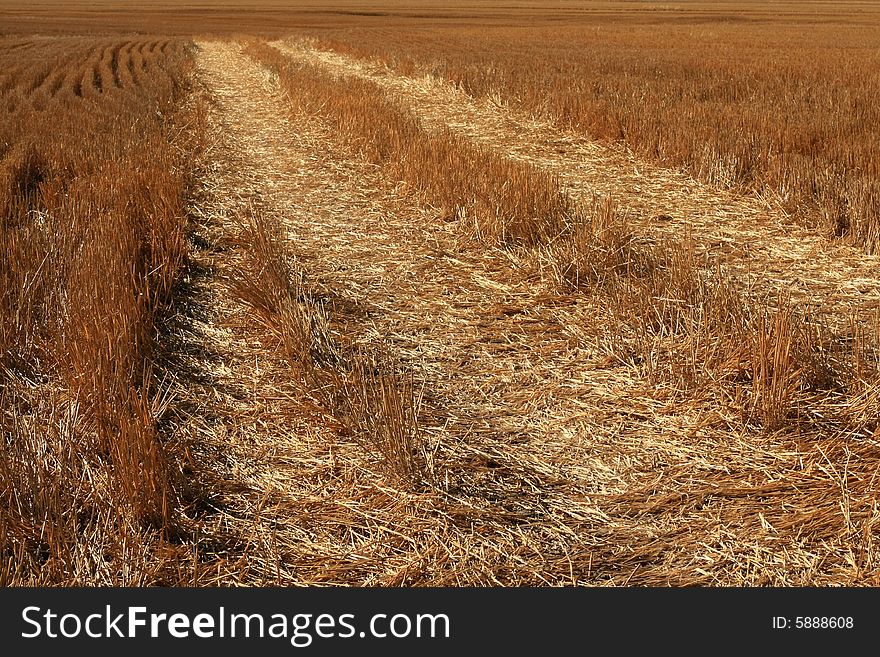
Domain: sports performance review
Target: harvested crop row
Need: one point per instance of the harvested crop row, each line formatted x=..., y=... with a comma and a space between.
x=499, y=200
x=762, y=109
x=14, y=45
x=27, y=71
x=676, y=313
x=138, y=64
x=108, y=67
x=81, y=68
x=56, y=82
x=746, y=235
x=64, y=67
x=380, y=270
x=577, y=452
x=365, y=392
x=689, y=332
x=91, y=83
x=126, y=65
x=91, y=245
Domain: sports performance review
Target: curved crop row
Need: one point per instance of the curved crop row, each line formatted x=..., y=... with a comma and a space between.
x=107, y=67
x=125, y=65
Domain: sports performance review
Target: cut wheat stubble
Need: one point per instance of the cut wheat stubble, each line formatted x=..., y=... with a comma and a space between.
x=751, y=237
x=407, y=287
x=551, y=453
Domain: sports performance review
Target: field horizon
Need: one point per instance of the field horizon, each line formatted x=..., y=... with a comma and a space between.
x=267, y=17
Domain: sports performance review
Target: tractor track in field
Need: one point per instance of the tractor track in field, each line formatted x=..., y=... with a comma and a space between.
x=552, y=464
x=401, y=283
x=750, y=237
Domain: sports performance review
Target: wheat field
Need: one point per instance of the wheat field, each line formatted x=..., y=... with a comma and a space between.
x=572, y=295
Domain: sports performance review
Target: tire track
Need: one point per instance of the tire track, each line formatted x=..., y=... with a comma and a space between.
x=399, y=271
x=748, y=236
x=563, y=467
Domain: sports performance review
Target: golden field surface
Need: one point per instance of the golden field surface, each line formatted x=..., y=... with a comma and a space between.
x=571, y=293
